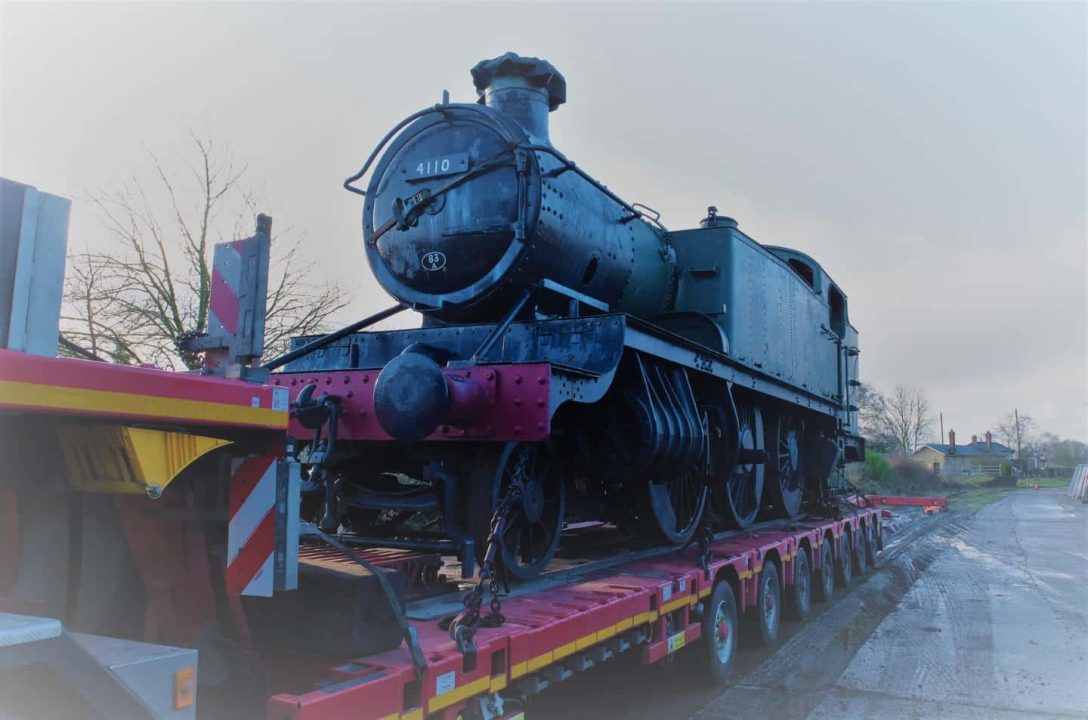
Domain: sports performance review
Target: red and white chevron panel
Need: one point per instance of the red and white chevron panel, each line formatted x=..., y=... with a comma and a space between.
x=227, y=267
x=251, y=537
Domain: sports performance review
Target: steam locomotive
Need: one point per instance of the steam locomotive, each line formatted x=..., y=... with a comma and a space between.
x=576, y=360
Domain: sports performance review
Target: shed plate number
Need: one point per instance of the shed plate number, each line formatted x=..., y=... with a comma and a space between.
x=433, y=261
x=437, y=166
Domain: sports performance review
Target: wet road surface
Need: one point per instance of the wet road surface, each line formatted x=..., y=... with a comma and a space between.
x=967, y=617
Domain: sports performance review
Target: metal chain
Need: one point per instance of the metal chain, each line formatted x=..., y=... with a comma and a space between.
x=463, y=627
x=705, y=536
x=182, y=343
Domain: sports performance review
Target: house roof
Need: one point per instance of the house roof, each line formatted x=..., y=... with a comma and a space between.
x=975, y=449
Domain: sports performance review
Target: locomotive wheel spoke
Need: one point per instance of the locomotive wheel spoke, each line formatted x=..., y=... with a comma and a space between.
x=738, y=487
x=787, y=484
x=686, y=495
x=531, y=535
x=671, y=509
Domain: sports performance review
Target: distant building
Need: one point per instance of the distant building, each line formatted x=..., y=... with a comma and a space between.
x=980, y=457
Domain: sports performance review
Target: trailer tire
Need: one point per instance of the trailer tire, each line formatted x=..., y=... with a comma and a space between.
x=801, y=590
x=871, y=542
x=861, y=551
x=720, y=631
x=768, y=615
x=846, y=560
x=825, y=590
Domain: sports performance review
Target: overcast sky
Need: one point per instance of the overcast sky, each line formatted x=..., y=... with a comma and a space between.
x=931, y=156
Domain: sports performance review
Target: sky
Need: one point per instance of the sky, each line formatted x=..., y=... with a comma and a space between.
x=932, y=156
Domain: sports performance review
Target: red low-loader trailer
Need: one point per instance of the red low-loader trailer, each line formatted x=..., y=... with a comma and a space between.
x=655, y=606
x=654, y=602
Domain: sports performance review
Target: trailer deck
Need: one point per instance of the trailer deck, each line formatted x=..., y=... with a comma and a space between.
x=655, y=605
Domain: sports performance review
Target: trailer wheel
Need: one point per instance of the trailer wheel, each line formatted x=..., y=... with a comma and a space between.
x=720, y=631
x=846, y=560
x=826, y=588
x=871, y=543
x=769, y=604
x=801, y=595
x=861, y=551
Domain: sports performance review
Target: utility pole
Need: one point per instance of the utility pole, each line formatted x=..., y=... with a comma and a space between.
x=1016, y=416
x=941, y=438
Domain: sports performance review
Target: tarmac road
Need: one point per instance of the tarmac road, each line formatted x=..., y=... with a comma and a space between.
x=968, y=617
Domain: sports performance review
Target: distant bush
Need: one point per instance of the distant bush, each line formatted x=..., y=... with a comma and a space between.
x=912, y=474
x=897, y=475
x=877, y=471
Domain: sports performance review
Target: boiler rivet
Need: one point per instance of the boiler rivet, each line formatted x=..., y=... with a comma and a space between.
x=517, y=379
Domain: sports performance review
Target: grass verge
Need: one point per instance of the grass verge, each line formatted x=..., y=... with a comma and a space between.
x=976, y=498
x=1029, y=483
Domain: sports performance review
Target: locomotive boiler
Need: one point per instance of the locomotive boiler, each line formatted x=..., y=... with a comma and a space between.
x=576, y=360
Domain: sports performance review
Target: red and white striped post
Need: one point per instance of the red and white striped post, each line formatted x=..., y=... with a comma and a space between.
x=262, y=537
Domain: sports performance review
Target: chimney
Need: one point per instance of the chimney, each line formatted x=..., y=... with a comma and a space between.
x=951, y=442
x=974, y=439
x=524, y=88
x=989, y=442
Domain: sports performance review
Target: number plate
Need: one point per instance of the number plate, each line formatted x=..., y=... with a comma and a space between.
x=436, y=167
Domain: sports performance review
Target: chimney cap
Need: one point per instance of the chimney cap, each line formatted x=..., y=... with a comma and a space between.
x=540, y=73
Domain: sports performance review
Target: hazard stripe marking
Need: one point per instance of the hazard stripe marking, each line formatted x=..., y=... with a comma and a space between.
x=261, y=584
x=245, y=523
x=224, y=302
x=251, y=534
x=253, y=557
x=245, y=479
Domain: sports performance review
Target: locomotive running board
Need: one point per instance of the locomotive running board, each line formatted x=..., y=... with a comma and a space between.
x=590, y=347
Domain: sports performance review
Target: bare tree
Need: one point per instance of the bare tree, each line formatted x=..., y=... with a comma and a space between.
x=871, y=417
x=130, y=305
x=1015, y=430
x=900, y=420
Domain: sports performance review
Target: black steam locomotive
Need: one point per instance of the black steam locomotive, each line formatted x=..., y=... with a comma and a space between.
x=576, y=360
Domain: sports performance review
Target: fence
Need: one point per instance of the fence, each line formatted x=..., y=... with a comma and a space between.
x=1078, y=486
